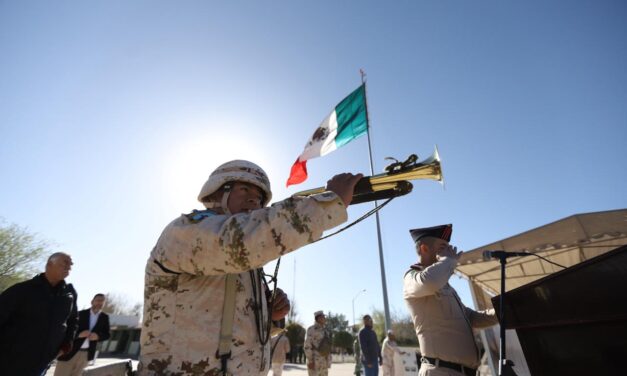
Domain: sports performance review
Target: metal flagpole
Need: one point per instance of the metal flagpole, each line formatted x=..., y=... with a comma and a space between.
x=386, y=306
x=293, y=319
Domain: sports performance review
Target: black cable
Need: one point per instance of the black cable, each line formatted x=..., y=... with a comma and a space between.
x=368, y=214
x=263, y=328
x=547, y=260
x=263, y=331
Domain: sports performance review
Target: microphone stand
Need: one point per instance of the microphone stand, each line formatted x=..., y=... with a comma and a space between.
x=505, y=365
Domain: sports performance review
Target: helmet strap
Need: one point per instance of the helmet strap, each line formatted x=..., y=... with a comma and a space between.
x=225, y=198
x=223, y=204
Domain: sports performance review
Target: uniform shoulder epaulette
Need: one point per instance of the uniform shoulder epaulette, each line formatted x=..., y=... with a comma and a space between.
x=414, y=268
x=198, y=215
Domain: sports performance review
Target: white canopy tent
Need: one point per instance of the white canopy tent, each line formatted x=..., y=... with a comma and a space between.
x=566, y=242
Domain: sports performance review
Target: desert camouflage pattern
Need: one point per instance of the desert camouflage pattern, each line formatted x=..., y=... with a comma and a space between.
x=237, y=170
x=185, y=283
x=443, y=324
x=314, y=336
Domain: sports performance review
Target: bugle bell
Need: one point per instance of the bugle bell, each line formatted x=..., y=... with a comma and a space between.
x=394, y=181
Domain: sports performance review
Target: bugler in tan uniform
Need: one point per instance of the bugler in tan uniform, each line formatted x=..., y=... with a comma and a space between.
x=318, y=347
x=186, y=273
x=444, y=326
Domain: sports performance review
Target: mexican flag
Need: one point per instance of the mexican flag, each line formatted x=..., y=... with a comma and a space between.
x=345, y=123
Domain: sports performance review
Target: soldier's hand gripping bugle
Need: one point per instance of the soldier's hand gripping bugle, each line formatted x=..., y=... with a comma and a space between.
x=344, y=185
x=280, y=305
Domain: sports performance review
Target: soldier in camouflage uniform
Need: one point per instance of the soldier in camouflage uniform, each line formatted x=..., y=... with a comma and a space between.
x=186, y=273
x=357, y=356
x=318, y=347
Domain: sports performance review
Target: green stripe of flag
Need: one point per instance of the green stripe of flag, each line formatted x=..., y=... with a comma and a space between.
x=352, y=121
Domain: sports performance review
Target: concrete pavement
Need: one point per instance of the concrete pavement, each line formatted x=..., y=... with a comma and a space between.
x=337, y=369
x=289, y=369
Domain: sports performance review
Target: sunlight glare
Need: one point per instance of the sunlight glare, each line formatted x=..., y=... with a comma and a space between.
x=195, y=156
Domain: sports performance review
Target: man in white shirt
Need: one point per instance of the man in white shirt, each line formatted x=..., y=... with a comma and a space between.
x=93, y=326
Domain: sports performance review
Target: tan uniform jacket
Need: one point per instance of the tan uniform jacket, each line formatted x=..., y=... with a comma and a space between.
x=443, y=324
x=185, y=283
x=388, y=349
x=314, y=336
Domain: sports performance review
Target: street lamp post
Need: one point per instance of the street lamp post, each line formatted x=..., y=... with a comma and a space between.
x=357, y=295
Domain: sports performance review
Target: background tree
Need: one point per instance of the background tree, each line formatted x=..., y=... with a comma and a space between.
x=402, y=326
x=338, y=326
x=292, y=316
x=343, y=340
x=21, y=255
x=336, y=323
x=378, y=318
x=295, y=333
x=118, y=304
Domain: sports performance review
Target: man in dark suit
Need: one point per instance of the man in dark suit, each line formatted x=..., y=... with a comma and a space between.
x=93, y=326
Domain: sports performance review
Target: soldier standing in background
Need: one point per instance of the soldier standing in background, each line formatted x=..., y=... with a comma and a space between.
x=205, y=300
x=318, y=347
x=388, y=349
x=357, y=355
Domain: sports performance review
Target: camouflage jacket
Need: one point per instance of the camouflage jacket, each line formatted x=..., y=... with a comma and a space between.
x=313, y=339
x=185, y=283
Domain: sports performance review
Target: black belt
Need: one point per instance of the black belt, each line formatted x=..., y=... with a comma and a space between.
x=443, y=363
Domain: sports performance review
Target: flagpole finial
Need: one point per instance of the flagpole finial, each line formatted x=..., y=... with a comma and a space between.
x=363, y=75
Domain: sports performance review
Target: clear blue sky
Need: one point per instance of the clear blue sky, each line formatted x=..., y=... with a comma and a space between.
x=113, y=114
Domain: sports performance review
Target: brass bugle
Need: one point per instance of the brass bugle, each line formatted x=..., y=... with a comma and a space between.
x=394, y=182
x=276, y=330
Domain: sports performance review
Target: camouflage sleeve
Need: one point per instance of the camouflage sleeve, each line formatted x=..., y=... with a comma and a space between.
x=308, y=347
x=233, y=244
x=428, y=281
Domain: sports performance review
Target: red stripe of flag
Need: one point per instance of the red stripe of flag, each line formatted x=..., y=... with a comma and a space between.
x=298, y=174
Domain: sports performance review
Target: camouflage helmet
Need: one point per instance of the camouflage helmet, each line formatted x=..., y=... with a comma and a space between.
x=233, y=171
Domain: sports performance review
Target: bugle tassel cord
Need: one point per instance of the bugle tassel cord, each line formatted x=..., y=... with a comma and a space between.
x=394, y=181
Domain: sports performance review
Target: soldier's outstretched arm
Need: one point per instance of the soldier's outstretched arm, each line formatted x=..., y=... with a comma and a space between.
x=281, y=305
x=233, y=244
